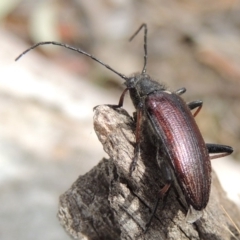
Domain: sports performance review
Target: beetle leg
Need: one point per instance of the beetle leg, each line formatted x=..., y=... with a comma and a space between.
x=162, y=195
x=120, y=103
x=191, y=105
x=195, y=104
x=181, y=91
x=167, y=175
x=138, y=138
x=218, y=150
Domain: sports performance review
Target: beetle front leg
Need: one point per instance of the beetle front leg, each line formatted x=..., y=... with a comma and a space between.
x=219, y=150
x=138, y=138
x=195, y=104
x=120, y=103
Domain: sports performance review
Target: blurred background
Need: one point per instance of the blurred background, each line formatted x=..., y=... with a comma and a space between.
x=46, y=98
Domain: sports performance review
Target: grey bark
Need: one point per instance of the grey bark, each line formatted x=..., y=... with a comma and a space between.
x=108, y=203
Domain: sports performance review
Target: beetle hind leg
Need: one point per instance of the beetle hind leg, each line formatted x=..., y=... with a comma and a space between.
x=218, y=150
x=195, y=104
x=163, y=193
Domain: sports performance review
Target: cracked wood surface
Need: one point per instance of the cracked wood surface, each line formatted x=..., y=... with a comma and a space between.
x=108, y=203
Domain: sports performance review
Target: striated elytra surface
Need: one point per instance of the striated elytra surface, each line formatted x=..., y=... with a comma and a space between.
x=174, y=124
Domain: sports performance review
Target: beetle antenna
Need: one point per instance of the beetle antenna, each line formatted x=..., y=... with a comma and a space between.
x=73, y=49
x=144, y=25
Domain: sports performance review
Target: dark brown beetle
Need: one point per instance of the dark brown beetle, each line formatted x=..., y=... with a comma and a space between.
x=171, y=124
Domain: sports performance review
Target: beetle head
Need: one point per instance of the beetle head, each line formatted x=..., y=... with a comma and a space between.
x=143, y=84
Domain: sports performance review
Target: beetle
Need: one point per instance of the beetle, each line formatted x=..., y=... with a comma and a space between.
x=172, y=125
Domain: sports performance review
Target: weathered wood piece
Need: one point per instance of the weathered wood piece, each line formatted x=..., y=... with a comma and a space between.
x=108, y=203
